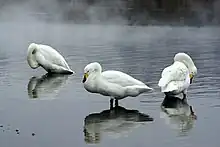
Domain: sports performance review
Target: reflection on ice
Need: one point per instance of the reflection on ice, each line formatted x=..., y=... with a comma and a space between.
x=46, y=86
x=178, y=114
x=115, y=122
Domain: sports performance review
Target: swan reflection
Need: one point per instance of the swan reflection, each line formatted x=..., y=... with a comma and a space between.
x=48, y=84
x=115, y=122
x=178, y=113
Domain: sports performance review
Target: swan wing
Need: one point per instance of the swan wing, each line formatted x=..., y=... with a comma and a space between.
x=121, y=78
x=49, y=58
x=50, y=66
x=117, y=91
x=174, y=77
x=54, y=56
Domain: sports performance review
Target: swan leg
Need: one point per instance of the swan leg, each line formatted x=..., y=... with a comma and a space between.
x=116, y=103
x=184, y=100
x=168, y=94
x=184, y=94
x=111, y=103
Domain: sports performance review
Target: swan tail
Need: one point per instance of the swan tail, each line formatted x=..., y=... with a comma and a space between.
x=147, y=89
x=136, y=90
x=60, y=70
x=69, y=71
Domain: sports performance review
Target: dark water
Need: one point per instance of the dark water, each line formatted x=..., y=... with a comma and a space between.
x=61, y=113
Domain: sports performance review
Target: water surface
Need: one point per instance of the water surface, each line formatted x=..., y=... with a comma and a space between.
x=58, y=110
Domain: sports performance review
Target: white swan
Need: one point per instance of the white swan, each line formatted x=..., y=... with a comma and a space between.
x=176, y=78
x=48, y=58
x=111, y=83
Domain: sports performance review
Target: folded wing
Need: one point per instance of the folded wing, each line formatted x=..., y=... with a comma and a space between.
x=121, y=78
x=174, y=77
x=51, y=60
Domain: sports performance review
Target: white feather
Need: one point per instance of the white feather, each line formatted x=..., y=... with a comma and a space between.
x=174, y=78
x=112, y=83
x=121, y=78
x=48, y=58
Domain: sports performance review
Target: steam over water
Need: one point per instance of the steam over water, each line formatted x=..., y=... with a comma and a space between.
x=197, y=13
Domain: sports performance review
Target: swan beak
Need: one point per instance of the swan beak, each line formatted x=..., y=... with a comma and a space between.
x=85, y=77
x=191, y=78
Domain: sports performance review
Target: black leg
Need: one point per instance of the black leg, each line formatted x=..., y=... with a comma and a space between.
x=184, y=96
x=184, y=99
x=166, y=93
x=191, y=109
x=111, y=103
x=116, y=103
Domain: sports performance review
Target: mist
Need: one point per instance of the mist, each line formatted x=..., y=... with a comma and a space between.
x=119, y=12
x=47, y=21
x=60, y=11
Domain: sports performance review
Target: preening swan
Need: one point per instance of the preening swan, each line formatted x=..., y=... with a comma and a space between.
x=48, y=58
x=176, y=78
x=115, y=84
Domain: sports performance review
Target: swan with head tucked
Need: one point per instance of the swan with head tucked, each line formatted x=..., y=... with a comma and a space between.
x=176, y=78
x=115, y=84
x=48, y=58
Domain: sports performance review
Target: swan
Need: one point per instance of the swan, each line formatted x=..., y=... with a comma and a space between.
x=48, y=58
x=115, y=84
x=176, y=78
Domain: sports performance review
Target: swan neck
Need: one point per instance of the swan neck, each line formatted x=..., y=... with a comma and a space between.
x=189, y=65
x=96, y=74
x=31, y=56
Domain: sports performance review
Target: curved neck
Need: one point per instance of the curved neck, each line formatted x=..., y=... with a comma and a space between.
x=185, y=59
x=189, y=65
x=31, y=56
x=186, y=63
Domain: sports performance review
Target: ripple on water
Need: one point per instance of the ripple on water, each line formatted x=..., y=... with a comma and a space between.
x=142, y=52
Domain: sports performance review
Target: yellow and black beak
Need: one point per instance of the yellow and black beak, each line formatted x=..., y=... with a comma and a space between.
x=191, y=78
x=85, y=77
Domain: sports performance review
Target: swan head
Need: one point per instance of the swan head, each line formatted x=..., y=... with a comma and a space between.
x=187, y=60
x=31, y=58
x=91, y=68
